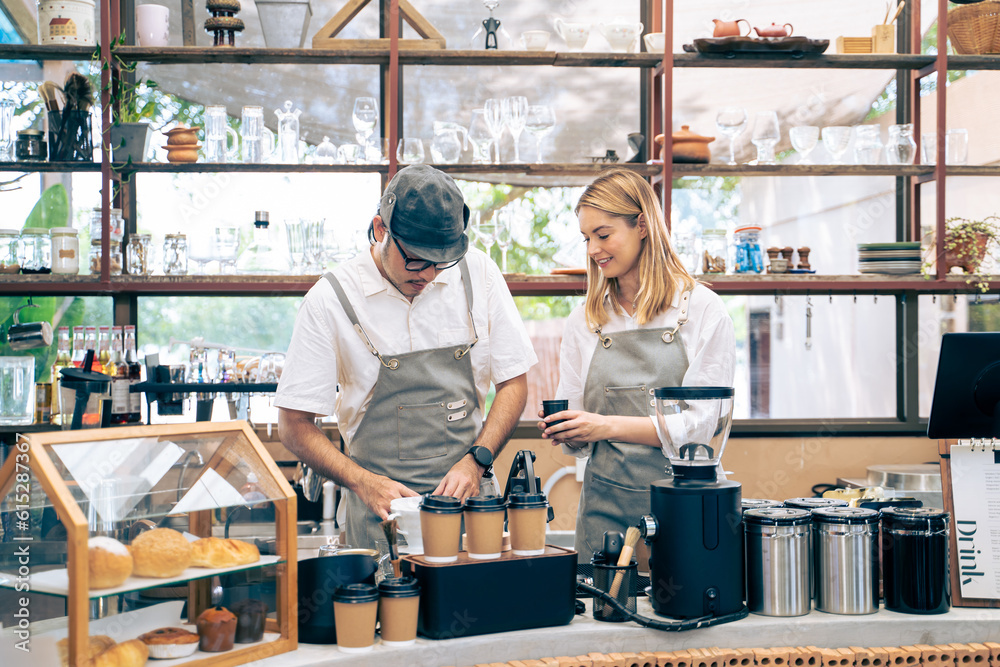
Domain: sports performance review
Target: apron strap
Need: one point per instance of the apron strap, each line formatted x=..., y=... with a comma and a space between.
x=668, y=335
x=467, y=280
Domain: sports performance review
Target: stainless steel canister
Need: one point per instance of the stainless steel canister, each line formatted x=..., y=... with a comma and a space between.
x=810, y=504
x=846, y=544
x=778, y=562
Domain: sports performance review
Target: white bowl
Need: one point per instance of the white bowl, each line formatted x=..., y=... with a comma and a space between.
x=654, y=42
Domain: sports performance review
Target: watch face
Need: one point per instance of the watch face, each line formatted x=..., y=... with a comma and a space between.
x=483, y=456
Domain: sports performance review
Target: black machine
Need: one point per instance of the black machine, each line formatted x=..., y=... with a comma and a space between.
x=967, y=390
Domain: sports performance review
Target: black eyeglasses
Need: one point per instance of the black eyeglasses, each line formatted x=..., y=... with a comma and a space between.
x=416, y=265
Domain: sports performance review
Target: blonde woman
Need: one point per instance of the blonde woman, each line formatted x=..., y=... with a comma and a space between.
x=646, y=323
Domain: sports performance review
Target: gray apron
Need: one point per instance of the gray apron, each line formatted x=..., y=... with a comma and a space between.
x=627, y=366
x=422, y=418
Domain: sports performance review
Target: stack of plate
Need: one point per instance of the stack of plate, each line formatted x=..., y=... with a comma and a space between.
x=896, y=258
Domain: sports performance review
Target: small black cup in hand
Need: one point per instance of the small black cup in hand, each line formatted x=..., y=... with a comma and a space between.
x=553, y=406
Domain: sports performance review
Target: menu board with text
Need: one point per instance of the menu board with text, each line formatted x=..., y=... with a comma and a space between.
x=975, y=474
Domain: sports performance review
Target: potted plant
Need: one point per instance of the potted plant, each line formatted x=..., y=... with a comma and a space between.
x=966, y=243
x=130, y=133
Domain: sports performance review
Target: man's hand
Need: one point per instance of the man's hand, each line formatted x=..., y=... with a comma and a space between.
x=377, y=492
x=462, y=481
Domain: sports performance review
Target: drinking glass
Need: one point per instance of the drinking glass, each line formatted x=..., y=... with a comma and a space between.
x=269, y=368
x=765, y=136
x=226, y=247
x=365, y=117
x=481, y=137
x=730, y=122
x=505, y=220
x=804, y=140
x=6, y=129
x=928, y=148
x=956, y=146
x=867, y=144
x=835, y=141
x=410, y=151
x=540, y=122
x=295, y=233
x=350, y=154
x=217, y=135
x=314, y=253
x=514, y=111
x=253, y=133
x=17, y=390
x=494, y=121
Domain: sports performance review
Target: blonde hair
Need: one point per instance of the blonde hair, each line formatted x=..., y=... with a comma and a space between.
x=624, y=194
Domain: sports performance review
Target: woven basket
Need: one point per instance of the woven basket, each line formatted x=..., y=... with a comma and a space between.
x=975, y=29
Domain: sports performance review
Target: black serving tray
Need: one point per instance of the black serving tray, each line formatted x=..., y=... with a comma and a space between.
x=731, y=47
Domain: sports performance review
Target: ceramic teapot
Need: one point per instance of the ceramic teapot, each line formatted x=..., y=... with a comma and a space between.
x=687, y=146
x=446, y=147
x=729, y=28
x=621, y=34
x=775, y=30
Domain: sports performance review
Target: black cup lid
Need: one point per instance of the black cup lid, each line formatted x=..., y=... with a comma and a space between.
x=693, y=393
x=484, y=504
x=915, y=516
x=441, y=504
x=758, y=503
x=777, y=516
x=850, y=515
x=399, y=587
x=356, y=593
x=525, y=501
x=814, y=503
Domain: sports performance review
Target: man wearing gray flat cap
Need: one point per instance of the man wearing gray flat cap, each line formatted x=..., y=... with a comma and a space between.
x=413, y=334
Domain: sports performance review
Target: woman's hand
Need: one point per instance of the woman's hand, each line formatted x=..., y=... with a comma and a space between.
x=577, y=429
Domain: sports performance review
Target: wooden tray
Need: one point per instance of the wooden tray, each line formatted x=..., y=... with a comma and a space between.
x=795, y=46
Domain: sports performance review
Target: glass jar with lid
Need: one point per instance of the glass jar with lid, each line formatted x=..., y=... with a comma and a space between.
x=9, y=241
x=35, y=250
x=65, y=250
x=114, y=252
x=714, y=251
x=137, y=255
x=116, y=224
x=175, y=259
x=747, y=255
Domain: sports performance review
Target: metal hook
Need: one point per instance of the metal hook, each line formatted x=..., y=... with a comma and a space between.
x=933, y=298
x=831, y=297
x=855, y=297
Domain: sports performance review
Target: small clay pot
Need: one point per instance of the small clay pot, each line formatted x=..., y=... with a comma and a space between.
x=182, y=136
x=182, y=152
x=688, y=147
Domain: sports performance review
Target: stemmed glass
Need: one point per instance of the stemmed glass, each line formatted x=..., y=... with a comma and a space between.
x=765, y=136
x=486, y=231
x=481, y=137
x=226, y=247
x=730, y=122
x=493, y=112
x=515, y=109
x=200, y=252
x=804, y=140
x=505, y=220
x=295, y=233
x=365, y=118
x=835, y=141
x=539, y=122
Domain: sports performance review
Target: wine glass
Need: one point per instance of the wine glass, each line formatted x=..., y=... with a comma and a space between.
x=410, y=151
x=493, y=112
x=200, y=252
x=514, y=111
x=835, y=141
x=505, y=220
x=540, y=122
x=730, y=122
x=486, y=231
x=765, y=136
x=481, y=137
x=804, y=140
x=365, y=117
x=226, y=247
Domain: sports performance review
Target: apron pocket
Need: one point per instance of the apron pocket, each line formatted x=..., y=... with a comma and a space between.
x=633, y=401
x=422, y=431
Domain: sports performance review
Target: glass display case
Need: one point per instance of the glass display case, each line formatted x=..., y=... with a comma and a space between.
x=60, y=490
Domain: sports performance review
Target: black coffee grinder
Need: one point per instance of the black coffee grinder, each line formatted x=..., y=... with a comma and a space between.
x=695, y=526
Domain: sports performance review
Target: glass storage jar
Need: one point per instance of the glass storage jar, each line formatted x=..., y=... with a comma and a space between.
x=65, y=250
x=137, y=255
x=901, y=148
x=35, y=250
x=114, y=251
x=867, y=144
x=747, y=255
x=116, y=224
x=175, y=260
x=714, y=251
x=9, y=241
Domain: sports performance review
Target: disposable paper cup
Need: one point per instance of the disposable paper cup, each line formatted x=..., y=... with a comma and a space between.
x=527, y=516
x=355, y=610
x=484, y=527
x=399, y=603
x=441, y=528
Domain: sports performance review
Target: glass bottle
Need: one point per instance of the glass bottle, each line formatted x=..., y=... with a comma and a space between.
x=90, y=343
x=262, y=257
x=134, y=375
x=714, y=251
x=63, y=360
x=747, y=254
x=138, y=255
x=79, y=349
x=901, y=148
x=119, y=379
x=288, y=133
x=104, y=348
x=175, y=258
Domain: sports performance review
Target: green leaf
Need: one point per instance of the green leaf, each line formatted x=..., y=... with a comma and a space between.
x=51, y=210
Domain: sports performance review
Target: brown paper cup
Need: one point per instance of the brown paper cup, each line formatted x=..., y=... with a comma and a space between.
x=355, y=625
x=441, y=533
x=399, y=620
x=484, y=534
x=527, y=530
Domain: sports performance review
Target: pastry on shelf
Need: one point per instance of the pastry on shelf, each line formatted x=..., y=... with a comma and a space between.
x=131, y=653
x=96, y=644
x=218, y=552
x=217, y=629
x=161, y=552
x=250, y=618
x=164, y=643
x=109, y=563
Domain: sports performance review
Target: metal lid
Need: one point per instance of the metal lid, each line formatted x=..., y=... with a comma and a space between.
x=758, y=503
x=848, y=515
x=141, y=237
x=747, y=228
x=778, y=516
x=907, y=476
x=174, y=236
x=527, y=501
x=689, y=393
x=399, y=587
x=356, y=594
x=63, y=231
x=914, y=516
x=441, y=504
x=11, y=232
x=484, y=504
x=41, y=231
x=814, y=503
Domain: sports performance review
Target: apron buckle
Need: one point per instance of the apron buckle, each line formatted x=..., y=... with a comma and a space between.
x=393, y=364
x=606, y=341
x=668, y=336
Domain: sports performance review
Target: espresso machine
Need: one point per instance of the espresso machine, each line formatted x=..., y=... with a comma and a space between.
x=694, y=529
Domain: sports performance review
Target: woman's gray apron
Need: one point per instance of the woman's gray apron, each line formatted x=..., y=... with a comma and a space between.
x=422, y=418
x=627, y=366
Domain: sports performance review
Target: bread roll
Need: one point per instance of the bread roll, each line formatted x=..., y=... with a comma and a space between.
x=96, y=644
x=218, y=552
x=132, y=653
x=160, y=552
x=108, y=561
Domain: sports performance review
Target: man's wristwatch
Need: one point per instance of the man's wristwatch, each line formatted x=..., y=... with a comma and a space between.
x=483, y=457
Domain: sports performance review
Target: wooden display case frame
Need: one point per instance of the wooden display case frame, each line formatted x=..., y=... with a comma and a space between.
x=199, y=591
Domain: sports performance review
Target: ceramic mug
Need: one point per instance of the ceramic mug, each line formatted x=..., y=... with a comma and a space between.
x=654, y=41
x=217, y=135
x=152, y=25
x=574, y=34
x=535, y=40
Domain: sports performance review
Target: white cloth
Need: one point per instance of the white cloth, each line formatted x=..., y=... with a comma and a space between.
x=326, y=350
x=708, y=338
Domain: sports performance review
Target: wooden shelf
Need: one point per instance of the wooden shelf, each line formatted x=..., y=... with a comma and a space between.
x=974, y=62
x=248, y=168
x=823, y=61
x=45, y=52
x=51, y=284
x=42, y=165
x=801, y=170
x=457, y=170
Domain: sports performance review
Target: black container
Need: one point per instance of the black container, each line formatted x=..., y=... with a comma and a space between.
x=625, y=594
x=552, y=406
x=319, y=579
x=70, y=136
x=915, y=560
x=30, y=145
x=478, y=597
